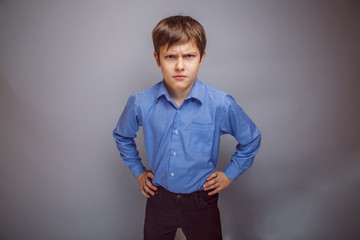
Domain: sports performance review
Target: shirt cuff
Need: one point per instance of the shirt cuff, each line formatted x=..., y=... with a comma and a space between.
x=234, y=170
x=231, y=174
x=137, y=170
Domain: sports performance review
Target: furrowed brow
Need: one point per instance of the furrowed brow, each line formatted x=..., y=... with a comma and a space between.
x=189, y=53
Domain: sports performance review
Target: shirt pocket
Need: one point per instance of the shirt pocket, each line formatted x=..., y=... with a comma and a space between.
x=201, y=137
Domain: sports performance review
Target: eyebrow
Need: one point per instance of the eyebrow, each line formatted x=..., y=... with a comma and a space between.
x=185, y=53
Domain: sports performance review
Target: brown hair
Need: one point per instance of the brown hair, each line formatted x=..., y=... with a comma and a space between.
x=178, y=29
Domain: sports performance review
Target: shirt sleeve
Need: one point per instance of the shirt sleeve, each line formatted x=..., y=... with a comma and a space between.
x=234, y=121
x=124, y=134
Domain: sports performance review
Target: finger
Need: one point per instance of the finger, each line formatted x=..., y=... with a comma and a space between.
x=145, y=193
x=210, y=184
x=149, y=190
x=150, y=175
x=213, y=175
x=149, y=184
x=215, y=191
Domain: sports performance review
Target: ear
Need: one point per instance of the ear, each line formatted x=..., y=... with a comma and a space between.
x=202, y=58
x=157, y=59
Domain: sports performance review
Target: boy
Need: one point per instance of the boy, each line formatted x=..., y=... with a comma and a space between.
x=182, y=121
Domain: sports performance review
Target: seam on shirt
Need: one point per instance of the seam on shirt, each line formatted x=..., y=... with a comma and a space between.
x=138, y=117
x=223, y=105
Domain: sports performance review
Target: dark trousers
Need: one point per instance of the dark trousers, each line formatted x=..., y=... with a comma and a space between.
x=197, y=214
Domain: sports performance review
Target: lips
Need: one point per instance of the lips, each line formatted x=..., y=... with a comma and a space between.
x=179, y=77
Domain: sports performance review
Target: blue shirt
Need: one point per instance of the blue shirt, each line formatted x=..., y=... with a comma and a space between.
x=182, y=143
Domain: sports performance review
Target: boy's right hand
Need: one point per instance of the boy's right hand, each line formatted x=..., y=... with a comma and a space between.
x=145, y=183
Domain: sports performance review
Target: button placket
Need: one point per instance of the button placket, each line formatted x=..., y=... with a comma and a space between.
x=175, y=138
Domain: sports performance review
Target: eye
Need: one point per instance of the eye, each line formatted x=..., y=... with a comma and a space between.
x=189, y=56
x=170, y=57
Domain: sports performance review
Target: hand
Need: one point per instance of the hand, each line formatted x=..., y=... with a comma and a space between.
x=217, y=181
x=145, y=183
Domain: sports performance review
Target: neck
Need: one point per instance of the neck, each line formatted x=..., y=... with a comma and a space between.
x=178, y=96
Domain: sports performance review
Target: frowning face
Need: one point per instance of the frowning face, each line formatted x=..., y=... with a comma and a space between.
x=179, y=65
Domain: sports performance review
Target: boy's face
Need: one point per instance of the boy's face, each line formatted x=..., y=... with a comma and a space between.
x=179, y=65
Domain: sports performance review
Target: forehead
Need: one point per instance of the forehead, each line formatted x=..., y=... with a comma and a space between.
x=185, y=46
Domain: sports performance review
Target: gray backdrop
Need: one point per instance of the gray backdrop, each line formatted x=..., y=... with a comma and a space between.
x=68, y=67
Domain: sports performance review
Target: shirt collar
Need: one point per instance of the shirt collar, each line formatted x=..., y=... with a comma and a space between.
x=162, y=91
x=197, y=92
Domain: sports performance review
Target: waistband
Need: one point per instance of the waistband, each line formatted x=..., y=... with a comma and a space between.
x=161, y=190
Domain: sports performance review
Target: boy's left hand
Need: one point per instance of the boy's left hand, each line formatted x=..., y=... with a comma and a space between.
x=217, y=181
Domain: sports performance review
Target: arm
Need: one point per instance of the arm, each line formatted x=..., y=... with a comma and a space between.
x=234, y=121
x=124, y=135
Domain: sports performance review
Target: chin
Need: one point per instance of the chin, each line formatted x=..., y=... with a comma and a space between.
x=182, y=86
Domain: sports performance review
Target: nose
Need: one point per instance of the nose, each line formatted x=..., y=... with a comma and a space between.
x=179, y=64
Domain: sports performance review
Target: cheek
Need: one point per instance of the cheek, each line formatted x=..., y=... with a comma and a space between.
x=194, y=69
x=165, y=70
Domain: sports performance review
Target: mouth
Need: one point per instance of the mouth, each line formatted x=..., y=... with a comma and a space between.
x=179, y=77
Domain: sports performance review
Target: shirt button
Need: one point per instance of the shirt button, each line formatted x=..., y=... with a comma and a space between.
x=174, y=153
x=172, y=174
x=176, y=131
x=178, y=111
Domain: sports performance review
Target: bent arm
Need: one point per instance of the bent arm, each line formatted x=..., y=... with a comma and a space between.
x=124, y=134
x=239, y=125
